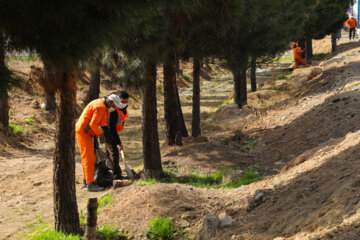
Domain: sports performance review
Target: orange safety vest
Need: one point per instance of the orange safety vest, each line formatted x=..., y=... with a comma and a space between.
x=121, y=120
x=92, y=118
x=351, y=23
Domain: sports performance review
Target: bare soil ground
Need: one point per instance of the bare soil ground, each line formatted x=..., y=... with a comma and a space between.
x=307, y=138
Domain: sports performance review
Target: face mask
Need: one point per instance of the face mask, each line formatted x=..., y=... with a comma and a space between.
x=123, y=105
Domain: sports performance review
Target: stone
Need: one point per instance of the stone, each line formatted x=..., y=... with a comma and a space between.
x=120, y=183
x=314, y=73
x=259, y=197
x=226, y=222
x=232, y=176
x=183, y=224
x=35, y=104
x=37, y=184
x=208, y=227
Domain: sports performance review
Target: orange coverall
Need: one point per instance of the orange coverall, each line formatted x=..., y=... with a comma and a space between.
x=351, y=23
x=297, y=57
x=92, y=118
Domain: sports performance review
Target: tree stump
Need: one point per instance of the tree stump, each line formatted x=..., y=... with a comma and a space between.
x=90, y=231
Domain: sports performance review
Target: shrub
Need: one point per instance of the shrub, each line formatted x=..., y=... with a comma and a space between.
x=17, y=129
x=106, y=200
x=161, y=228
x=186, y=76
x=282, y=76
x=30, y=120
x=106, y=232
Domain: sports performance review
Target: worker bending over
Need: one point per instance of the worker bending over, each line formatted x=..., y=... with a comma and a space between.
x=87, y=127
x=352, y=24
x=297, y=56
x=115, y=125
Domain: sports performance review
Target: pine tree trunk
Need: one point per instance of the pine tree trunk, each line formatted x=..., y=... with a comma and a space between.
x=177, y=65
x=240, y=89
x=182, y=126
x=173, y=136
x=309, y=50
x=333, y=42
x=302, y=45
x=4, y=97
x=94, y=85
x=4, y=111
x=196, y=131
x=253, y=75
x=151, y=148
x=50, y=100
x=64, y=193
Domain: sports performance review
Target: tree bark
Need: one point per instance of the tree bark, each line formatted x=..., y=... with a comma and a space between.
x=4, y=97
x=309, y=50
x=50, y=100
x=94, y=85
x=302, y=45
x=333, y=42
x=151, y=149
x=91, y=221
x=173, y=135
x=64, y=193
x=196, y=131
x=182, y=126
x=253, y=75
x=240, y=89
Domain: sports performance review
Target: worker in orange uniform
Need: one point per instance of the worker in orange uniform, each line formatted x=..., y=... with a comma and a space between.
x=87, y=127
x=352, y=24
x=115, y=124
x=297, y=56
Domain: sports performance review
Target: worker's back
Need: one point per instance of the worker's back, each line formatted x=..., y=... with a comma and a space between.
x=96, y=109
x=297, y=52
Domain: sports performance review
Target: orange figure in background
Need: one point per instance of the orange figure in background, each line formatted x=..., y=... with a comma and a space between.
x=87, y=127
x=297, y=56
x=352, y=24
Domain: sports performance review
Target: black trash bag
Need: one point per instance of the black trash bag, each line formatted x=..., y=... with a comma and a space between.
x=103, y=177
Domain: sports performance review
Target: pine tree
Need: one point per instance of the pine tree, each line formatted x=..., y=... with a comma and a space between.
x=63, y=33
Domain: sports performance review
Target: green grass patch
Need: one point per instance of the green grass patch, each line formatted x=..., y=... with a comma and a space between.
x=211, y=181
x=54, y=235
x=82, y=217
x=321, y=55
x=283, y=59
x=110, y=232
x=105, y=201
x=227, y=102
x=17, y=129
x=161, y=228
x=248, y=177
x=30, y=120
x=28, y=58
x=187, y=76
x=282, y=76
x=80, y=84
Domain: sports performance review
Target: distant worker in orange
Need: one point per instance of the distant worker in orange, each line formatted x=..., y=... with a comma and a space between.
x=297, y=56
x=95, y=115
x=352, y=24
